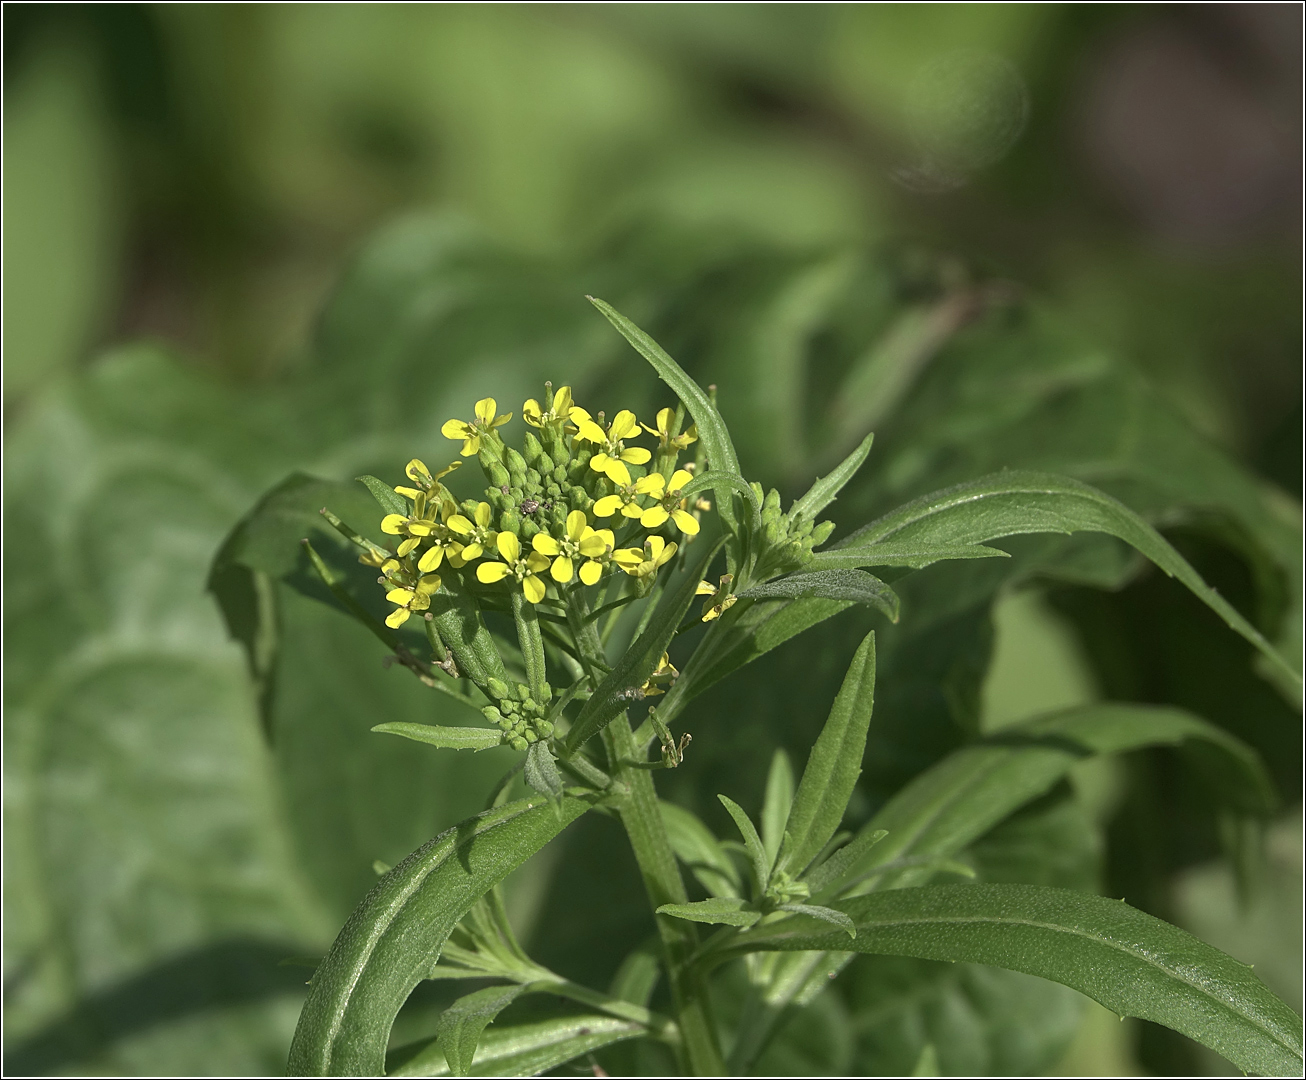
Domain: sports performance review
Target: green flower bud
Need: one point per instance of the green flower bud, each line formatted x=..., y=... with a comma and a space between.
x=561, y=457
x=531, y=449
x=516, y=466
x=531, y=737
x=528, y=530
x=510, y=520
x=822, y=533
x=521, y=691
x=518, y=743
x=493, y=715
x=497, y=687
x=498, y=475
x=545, y=729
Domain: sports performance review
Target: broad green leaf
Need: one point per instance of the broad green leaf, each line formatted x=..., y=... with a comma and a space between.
x=825, y=914
x=639, y=661
x=711, y=428
x=447, y=738
x=823, y=492
x=855, y=586
x=721, y=910
x=700, y=851
x=961, y=797
x=389, y=500
x=541, y=771
x=1132, y=963
x=460, y=1025
x=397, y=932
x=523, y=1049
x=834, y=764
x=1015, y=502
x=752, y=842
x=916, y=556
x=776, y=804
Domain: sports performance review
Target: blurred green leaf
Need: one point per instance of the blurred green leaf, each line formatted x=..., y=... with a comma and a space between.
x=752, y=843
x=776, y=804
x=721, y=910
x=1126, y=960
x=700, y=851
x=915, y=556
x=447, y=738
x=386, y=497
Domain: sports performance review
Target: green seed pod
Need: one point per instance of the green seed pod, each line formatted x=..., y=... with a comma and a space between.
x=822, y=533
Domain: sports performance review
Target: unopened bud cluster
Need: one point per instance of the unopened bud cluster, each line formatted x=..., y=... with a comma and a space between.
x=519, y=716
x=786, y=542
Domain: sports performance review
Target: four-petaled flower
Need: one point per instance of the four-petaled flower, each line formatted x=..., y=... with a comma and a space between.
x=419, y=474
x=410, y=594
x=580, y=541
x=670, y=504
x=474, y=536
x=525, y=570
x=642, y=563
x=416, y=526
x=719, y=597
x=663, y=432
x=626, y=496
x=471, y=432
x=561, y=410
x=612, y=449
x=664, y=675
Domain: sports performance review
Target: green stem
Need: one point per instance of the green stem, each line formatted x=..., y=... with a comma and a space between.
x=532, y=645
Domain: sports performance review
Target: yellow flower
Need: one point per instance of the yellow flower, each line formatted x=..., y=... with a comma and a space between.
x=663, y=677
x=472, y=432
x=625, y=498
x=718, y=598
x=579, y=541
x=670, y=504
x=663, y=432
x=612, y=450
x=525, y=570
x=411, y=595
x=643, y=563
x=474, y=537
x=427, y=485
x=561, y=410
x=416, y=526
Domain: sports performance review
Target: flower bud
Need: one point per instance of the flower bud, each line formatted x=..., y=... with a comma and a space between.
x=497, y=687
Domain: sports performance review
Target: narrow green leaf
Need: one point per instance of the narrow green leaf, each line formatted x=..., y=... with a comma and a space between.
x=834, y=763
x=724, y=910
x=457, y=620
x=721, y=482
x=928, y=1063
x=541, y=771
x=1014, y=502
x=825, y=914
x=916, y=556
x=638, y=975
x=960, y=798
x=700, y=851
x=394, y=936
x=776, y=804
x=390, y=500
x=856, y=586
x=460, y=1025
x=447, y=738
x=522, y=1049
x=622, y=684
x=823, y=492
x=1132, y=963
x=711, y=428
x=841, y=866
x=752, y=842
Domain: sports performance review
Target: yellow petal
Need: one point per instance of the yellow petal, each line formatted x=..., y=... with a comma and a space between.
x=562, y=401
x=397, y=618
x=652, y=484
x=533, y=587
x=590, y=572
x=445, y=472
x=609, y=539
x=545, y=544
x=636, y=455
x=599, y=462
x=490, y=572
x=420, y=602
x=577, y=415
x=605, y=507
x=483, y=513
x=562, y=570
x=627, y=557
x=389, y=566
x=417, y=472
x=576, y=524
x=535, y=562
x=617, y=472
x=429, y=584
x=454, y=429
x=531, y=412
x=631, y=510
x=433, y=557
x=654, y=545
x=393, y=524
x=471, y=446
x=667, y=552
x=471, y=553
x=454, y=553
x=421, y=528
x=593, y=545
x=460, y=525
x=409, y=493
x=705, y=588
x=588, y=430
x=400, y=596
x=509, y=546
x=653, y=517
x=624, y=425
x=485, y=409
x=407, y=546
x=499, y=421
x=679, y=479
x=686, y=523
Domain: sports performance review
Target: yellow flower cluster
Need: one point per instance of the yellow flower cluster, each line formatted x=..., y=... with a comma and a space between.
x=542, y=517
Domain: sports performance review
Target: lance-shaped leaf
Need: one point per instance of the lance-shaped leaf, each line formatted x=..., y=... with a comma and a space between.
x=915, y=556
x=447, y=738
x=823, y=492
x=752, y=842
x=855, y=586
x=522, y=1049
x=395, y=935
x=623, y=682
x=389, y=499
x=1015, y=502
x=833, y=765
x=825, y=914
x=776, y=804
x=960, y=798
x=700, y=851
x=722, y=483
x=460, y=1025
x=541, y=771
x=1131, y=962
x=720, y=910
x=457, y=620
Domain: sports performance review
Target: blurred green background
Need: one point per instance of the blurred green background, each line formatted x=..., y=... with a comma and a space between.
x=248, y=239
